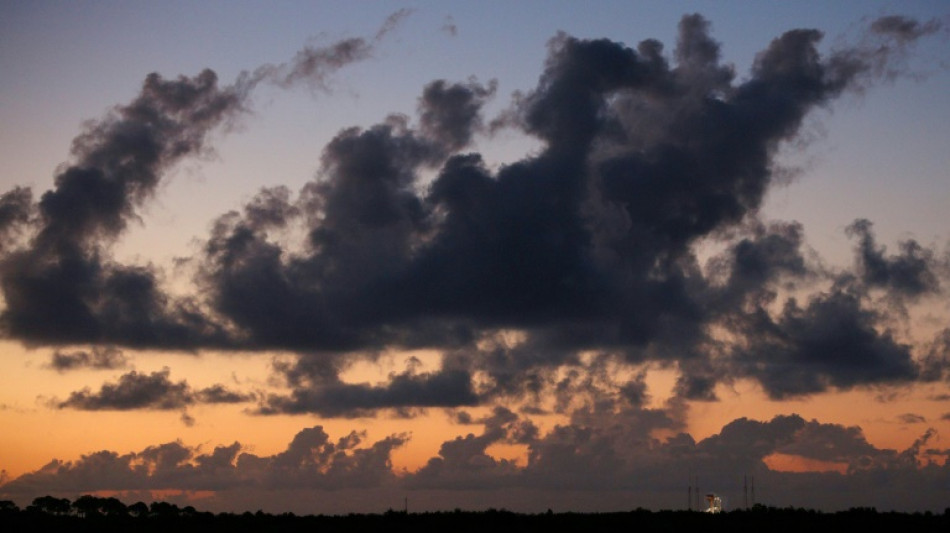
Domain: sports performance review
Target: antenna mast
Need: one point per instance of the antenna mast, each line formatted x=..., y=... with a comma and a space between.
x=752, y=479
x=689, y=493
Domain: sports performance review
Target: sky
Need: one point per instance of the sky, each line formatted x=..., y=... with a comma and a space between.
x=333, y=257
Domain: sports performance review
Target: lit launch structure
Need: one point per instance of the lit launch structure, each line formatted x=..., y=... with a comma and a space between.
x=713, y=503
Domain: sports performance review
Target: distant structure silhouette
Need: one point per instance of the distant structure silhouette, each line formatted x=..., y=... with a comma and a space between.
x=748, y=490
x=690, y=492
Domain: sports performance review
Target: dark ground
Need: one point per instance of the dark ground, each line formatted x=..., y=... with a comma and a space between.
x=761, y=519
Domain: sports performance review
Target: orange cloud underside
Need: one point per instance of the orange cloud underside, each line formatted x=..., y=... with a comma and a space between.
x=781, y=462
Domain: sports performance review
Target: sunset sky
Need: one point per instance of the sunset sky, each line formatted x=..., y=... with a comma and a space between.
x=333, y=257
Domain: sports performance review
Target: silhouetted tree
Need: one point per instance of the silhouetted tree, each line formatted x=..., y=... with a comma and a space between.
x=113, y=507
x=164, y=509
x=106, y=515
x=51, y=505
x=138, y=509
x=8, y=506
x=86, y=505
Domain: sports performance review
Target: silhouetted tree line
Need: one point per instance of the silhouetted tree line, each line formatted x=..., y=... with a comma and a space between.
x=95, y=514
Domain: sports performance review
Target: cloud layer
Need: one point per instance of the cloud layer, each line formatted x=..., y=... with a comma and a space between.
x=620, y=464
x=588, y=245
x=544, y=285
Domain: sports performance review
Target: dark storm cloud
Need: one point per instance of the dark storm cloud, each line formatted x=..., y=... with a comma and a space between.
x=833, y=337
x=830, y=342
x=585, y=245
x=63, y=287
x=99, y=358
x=133, y=391
x=218, y=393
x=120, y=159
x=451, y=112
x=745, y=280
x=136, y=390
x=404, y=390
x=364, y=220
x=912, y=273
x=757, y=260
x=320, y=301
x=588, y=244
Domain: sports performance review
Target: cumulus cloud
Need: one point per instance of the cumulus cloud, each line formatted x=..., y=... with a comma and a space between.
x=63, y=287
x=619, y=464
x=831, y=341
x=404, y=390
x=545, y=286
x=155, y=390
x=98, y=358
x=911, y=273
x=588, y=245
x=310, y=460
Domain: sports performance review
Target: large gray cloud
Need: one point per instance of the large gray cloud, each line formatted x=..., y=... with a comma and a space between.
x=62, y=287
x=585, y=245
x=588, y=245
